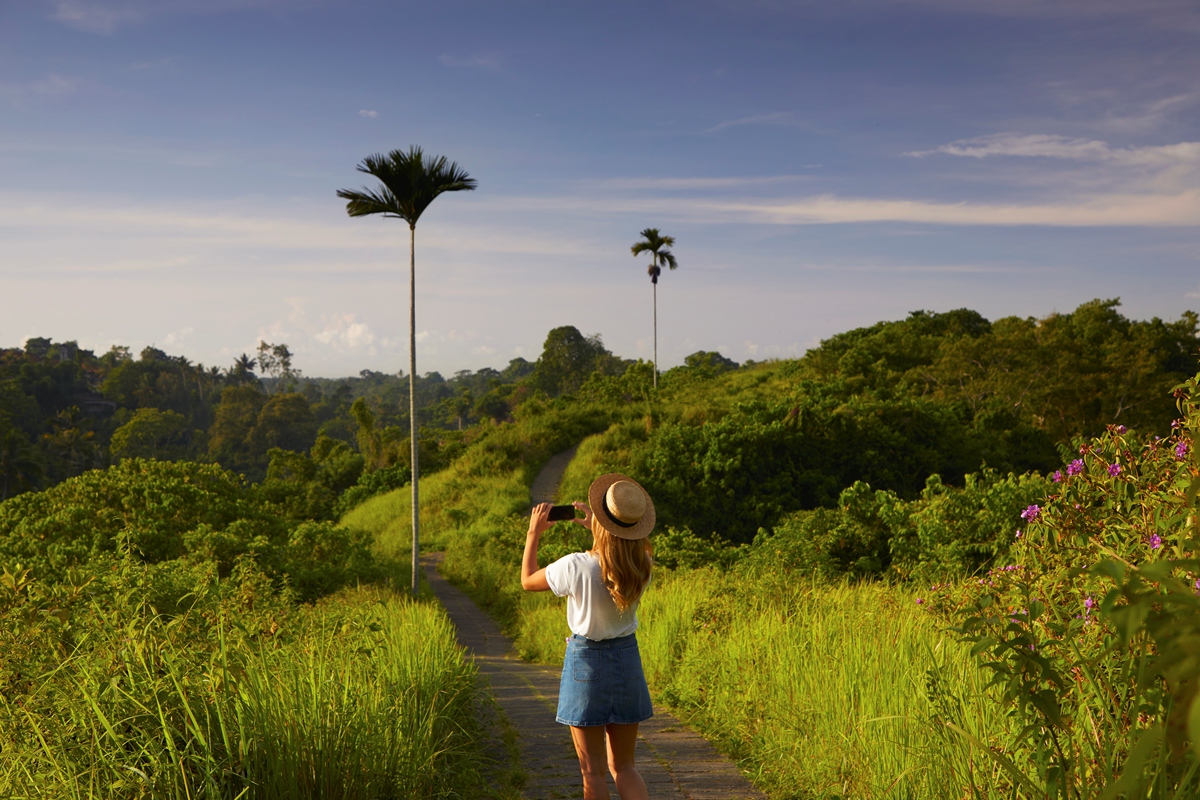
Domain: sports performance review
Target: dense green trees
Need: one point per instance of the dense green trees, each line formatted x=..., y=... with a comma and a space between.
x=150, y=433
x=890, y=405
x=160, y=512
x=569, y=357
x=1068, y=374
x=64, y=410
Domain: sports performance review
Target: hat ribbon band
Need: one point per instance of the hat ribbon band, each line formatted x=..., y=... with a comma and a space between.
x=613, y=517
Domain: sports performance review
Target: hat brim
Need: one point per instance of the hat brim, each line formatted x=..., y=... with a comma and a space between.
x=596, y=492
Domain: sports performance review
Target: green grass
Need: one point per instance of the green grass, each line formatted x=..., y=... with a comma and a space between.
x=366, y=696
x=818, y=691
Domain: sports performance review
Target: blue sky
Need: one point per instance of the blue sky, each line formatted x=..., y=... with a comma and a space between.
x=168, y=170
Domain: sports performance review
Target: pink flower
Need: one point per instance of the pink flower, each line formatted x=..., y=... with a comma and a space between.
x=1057, y=476
x=1075, y=467
x=1181, y=451
x=1031, y=513
x=1114, y=469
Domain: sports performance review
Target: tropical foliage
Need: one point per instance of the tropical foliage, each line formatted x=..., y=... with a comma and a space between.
x=938, y=557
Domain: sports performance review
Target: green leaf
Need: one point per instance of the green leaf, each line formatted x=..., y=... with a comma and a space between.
x=1156, y=570
x=983, y=644
x=1036, y=608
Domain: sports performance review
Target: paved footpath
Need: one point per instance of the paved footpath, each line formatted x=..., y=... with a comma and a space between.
x=675, y=762
x=545, y=485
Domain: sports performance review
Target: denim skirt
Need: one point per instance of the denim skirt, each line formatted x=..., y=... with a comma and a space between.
x=603, y=684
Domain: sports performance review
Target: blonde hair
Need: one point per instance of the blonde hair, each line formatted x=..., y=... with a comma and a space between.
x=624, y=565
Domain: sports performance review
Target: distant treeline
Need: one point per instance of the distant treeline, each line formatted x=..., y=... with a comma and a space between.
x=65, y=410
x=890, y=404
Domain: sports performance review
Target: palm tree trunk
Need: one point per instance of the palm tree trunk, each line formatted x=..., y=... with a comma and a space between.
x=412, y=390
x=656, y=334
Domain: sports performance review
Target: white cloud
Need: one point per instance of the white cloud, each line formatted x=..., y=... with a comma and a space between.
x=1112, y=209
x=783, y=118
x=1065, y=147
x=110, y=232
x=177, y=338
x=368, y=113
x=344, y=332
x=1139, y=117
x=1193, y=295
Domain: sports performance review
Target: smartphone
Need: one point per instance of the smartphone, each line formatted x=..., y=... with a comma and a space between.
x=558, y=513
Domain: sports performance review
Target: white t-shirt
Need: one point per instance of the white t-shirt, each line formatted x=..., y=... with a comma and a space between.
x=591, y=611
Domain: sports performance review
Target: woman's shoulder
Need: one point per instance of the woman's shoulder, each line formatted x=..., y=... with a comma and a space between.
x=574, y=561
x=582, y=559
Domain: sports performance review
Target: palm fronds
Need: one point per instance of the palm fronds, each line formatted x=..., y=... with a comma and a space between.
x=410, y=181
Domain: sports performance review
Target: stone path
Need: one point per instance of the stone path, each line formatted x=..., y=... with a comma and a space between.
x=545, y=485
x=675, y=762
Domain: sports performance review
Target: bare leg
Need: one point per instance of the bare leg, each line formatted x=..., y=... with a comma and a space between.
x=589, y=746
x=622, y=739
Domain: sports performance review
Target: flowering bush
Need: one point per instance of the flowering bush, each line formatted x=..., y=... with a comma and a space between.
x=1101, y=689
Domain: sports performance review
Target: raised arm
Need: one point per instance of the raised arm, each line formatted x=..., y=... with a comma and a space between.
x=532, y=578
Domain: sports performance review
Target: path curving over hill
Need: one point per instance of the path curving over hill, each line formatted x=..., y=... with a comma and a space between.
x=675, y=762
x=545, y=485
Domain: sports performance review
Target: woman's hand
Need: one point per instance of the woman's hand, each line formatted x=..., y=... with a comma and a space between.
x=539, y=519
x=532, y=578
x=586, y=519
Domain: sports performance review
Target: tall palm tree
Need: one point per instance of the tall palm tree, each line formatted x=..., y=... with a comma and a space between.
x=656, y=244
x=242, y=370
x=409, y=182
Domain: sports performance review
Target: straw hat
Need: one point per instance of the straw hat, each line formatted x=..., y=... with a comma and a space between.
x=621, y=506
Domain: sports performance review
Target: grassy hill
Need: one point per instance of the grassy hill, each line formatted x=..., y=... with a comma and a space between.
x=937, y=557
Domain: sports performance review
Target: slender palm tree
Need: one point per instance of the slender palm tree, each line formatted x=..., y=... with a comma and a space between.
x=409, y=182
x=242, y=370
x=656, y=244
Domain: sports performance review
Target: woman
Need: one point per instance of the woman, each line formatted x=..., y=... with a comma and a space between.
x=603, y=694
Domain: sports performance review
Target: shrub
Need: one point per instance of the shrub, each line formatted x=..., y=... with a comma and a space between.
x=1067, y=650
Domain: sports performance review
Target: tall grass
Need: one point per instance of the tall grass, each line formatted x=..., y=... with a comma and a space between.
x=370, y=699
x=818, y=691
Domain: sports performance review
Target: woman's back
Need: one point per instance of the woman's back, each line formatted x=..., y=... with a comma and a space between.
x=591, y=610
